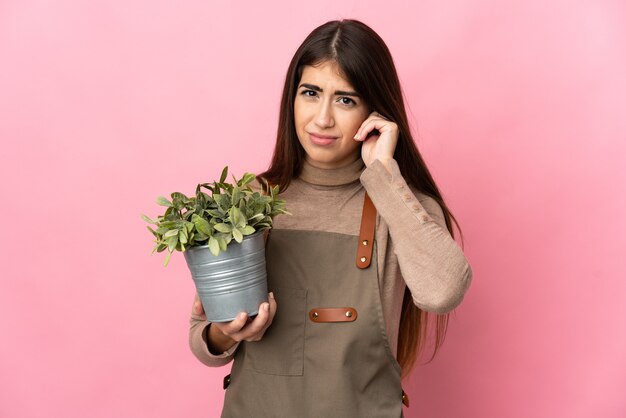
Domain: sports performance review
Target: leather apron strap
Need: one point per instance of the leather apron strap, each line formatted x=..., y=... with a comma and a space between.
x=366, y=236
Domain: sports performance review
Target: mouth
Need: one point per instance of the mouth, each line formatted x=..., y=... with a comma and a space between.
x=319, y=139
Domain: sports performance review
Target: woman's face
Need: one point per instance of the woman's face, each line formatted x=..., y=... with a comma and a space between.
x=327, y=114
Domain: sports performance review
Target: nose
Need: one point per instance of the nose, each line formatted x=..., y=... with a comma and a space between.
x=324, y=117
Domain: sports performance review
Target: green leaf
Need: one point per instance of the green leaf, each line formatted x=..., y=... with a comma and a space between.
x=237, y=218
x=153, y=231
x=222, y=243
x=207, y=186
x=247, y=230
x=145, y=218
x=199, y=236
x=173, y=215
x=237, y=235
x=183, y=236
x=214, y=246
x=222, y=200
x=224, y=174
x=187, y=215
x=202, y=225
x=167, y=259
x=236, y=196
x=171, y=243
x=162, y=201
x=227, y=238
x=167, y=224
x=179, y=196
x=170, y=233
x=216, y=214
x=221, y=227
x=247, y=178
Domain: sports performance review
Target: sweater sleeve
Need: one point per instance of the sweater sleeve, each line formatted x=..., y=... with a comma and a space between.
x=431, y=262
x=198, y=328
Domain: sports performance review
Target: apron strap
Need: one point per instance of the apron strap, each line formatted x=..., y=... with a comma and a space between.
x=366, y=236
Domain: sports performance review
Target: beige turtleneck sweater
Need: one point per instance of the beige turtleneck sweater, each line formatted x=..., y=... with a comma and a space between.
x=414, y=248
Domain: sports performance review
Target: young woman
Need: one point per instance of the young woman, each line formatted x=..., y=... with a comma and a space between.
x=367, y=252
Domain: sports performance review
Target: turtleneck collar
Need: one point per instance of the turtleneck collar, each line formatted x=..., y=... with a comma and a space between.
x=332, y=176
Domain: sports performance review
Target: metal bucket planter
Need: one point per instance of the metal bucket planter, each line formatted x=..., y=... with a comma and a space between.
x=232, y=282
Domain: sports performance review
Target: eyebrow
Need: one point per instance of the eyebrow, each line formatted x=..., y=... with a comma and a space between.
x=337, y=92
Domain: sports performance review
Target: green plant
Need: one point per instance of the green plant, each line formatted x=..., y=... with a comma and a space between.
x=230, y=211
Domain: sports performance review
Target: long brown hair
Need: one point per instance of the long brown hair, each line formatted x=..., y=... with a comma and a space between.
x=366, y=63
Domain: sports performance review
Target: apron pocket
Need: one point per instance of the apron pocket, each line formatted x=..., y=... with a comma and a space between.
x=281, y=350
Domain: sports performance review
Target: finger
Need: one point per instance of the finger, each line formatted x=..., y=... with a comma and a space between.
x=233, y=327
x=369, y=125
x=378, y=115
x=197, y=305
x=272, y=313
x=254, y=330
x=273, y=308
x=198, y=309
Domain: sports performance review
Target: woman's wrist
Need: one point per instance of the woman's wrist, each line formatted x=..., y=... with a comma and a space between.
x=386, y=162
x=217, y=342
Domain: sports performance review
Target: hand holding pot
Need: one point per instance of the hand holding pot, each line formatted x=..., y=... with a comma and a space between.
x=224, y=335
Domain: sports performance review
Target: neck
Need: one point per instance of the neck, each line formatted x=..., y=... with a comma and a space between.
x=332, y=176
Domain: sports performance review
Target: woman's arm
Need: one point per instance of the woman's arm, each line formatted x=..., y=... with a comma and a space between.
x=199, y=340
x=432, y=263
x=214, y=344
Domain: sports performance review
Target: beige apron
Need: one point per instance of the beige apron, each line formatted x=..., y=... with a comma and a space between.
x=326, y=353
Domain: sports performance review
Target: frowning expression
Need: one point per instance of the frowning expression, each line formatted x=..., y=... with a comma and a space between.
x=327, y=114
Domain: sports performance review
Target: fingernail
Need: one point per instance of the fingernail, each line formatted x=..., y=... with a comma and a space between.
x=272, y=295
x=266, y=306
x=242, y=315
x=356, y=136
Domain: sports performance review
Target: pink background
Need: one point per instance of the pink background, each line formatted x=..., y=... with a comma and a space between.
x=520, y=110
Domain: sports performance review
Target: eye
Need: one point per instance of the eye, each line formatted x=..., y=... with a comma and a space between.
x=347, y=101
x=309, y=93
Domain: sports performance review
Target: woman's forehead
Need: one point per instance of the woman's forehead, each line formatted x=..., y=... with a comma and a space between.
x=326, y=72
